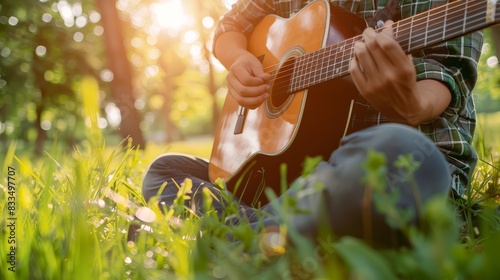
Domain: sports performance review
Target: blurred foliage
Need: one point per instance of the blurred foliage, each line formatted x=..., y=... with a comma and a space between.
x=487, y=90
x=41, y=53
x=48, y=46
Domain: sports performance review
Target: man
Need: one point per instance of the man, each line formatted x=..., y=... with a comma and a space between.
x=424, y=102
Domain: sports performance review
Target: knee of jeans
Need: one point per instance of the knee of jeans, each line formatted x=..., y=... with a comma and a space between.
x=152, y=180
x=165, y=160
x=431, y=176
x=392, y=134
x=394, y=141
x=397, y=139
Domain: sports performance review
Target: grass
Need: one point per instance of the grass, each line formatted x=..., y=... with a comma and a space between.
x=67, y=228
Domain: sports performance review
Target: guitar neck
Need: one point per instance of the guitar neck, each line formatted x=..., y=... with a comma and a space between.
x=413, y=34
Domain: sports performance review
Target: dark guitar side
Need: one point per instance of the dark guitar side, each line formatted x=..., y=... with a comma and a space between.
x=318, y=132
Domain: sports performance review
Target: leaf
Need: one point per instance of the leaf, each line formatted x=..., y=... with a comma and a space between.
x=310, y=164
x=363, y=261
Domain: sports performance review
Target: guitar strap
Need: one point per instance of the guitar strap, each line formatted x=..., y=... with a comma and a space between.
x=389, y=12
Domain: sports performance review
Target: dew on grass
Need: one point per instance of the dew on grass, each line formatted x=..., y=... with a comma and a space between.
x=150, y=263
x=218, y=272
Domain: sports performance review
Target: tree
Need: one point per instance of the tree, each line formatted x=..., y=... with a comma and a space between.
x=487, y=90
x=121, y=85
x=40, y=65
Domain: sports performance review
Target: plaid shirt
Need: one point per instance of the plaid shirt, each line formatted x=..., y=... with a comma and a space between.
x=453, y=62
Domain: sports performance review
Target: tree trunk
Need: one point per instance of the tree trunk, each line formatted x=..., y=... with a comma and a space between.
x=41, y=83
x=121, y=87
x=495, y=32
x=212, y=87
x=172, y=132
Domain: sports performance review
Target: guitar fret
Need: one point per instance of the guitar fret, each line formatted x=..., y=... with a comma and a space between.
x=317, y=67
x=326, y=64
x=456, y=24
x=310, y=66
x=340, y=50
x=295, y=74
x=426, y=28
x=350, y=55
x=319, y=70
x=465, y=17
x=306, y=70
x=419, y=30
x=396, y=30
x=302, y=72
x=331, y=63
x=445, y=20
x=410, y=35
x=432, y=32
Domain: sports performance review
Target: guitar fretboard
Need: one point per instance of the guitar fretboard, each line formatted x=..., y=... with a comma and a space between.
x=413, y=34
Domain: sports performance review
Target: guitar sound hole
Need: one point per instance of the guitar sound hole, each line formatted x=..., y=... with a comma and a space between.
x=280, y=91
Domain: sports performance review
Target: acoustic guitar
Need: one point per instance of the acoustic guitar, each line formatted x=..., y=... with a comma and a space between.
x=311, y=100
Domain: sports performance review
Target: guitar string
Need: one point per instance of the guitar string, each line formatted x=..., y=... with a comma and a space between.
x=401, y=31
x=282, y=80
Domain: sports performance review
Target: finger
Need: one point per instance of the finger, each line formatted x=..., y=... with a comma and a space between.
x=355, y=69
x=388, y=43
x=246, y=78
x=364, y=59
x=250, y=102
x=388, y=30
x=247, y=84
x=383, y=48
x=256, y=69
x=248, y=96
x=357, y=75
x=259, y=73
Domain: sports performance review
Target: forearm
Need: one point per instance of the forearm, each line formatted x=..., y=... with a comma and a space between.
x=432, y=97
x=229, y=46
x=247, y=82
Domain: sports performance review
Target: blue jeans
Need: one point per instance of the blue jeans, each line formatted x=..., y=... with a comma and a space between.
x=339, y=204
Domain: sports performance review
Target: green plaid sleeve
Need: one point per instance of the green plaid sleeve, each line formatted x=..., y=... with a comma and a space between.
x=453, y=63
x=246, y=14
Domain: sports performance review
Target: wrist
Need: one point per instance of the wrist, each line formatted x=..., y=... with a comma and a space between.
x=229, y=47
x=432, y=97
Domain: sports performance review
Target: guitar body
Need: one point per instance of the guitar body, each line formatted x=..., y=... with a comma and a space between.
x=250, y=147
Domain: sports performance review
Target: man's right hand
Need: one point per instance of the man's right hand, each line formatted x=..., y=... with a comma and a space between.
x=247, y=81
